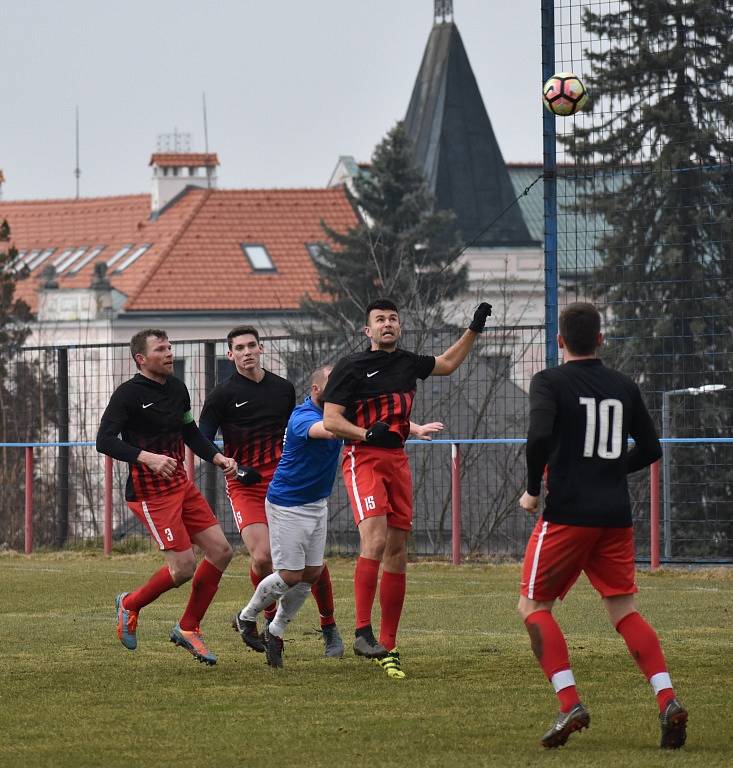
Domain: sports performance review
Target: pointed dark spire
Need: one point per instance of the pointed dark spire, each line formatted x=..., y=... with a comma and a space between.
x=455, y=143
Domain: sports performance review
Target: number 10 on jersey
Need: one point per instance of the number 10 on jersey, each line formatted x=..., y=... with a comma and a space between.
x=609, y=415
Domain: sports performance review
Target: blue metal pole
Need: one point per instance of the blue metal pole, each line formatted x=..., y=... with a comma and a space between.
x=550, y=188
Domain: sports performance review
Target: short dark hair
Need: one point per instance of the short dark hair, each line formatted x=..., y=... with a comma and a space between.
x=242, y=330
x=139, y=342
x=379, y=304
x=580, y=324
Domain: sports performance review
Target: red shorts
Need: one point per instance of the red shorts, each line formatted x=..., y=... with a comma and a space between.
x=175, y=517
x=379, y=482
x=556, y=555
x=248, y=501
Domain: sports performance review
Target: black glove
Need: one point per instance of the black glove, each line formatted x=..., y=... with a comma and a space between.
x=379, y=435
x=247, y=475
x=479, y=317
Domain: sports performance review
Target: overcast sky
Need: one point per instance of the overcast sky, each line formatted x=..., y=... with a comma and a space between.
x=290, y=85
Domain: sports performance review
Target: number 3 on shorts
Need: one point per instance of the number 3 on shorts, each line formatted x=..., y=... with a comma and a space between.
x=168, y=534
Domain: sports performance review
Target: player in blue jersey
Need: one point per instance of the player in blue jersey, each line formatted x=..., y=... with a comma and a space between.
x=297, y=515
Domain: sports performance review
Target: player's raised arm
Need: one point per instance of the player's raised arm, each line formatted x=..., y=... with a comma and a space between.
x=446, y=363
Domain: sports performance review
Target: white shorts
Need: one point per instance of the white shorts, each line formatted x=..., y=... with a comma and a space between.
x=297, y=534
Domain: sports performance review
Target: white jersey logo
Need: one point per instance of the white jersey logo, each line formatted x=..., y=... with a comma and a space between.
x=147, y=405
x=373, y=373
x=239, y=405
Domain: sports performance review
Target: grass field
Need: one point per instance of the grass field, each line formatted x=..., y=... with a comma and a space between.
x=71, y=695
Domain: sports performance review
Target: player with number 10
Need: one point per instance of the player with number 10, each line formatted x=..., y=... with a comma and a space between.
x=581, y=416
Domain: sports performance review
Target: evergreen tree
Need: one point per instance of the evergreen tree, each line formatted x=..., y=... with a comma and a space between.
x=27, y=400
x=402, y=247
x=659, y=152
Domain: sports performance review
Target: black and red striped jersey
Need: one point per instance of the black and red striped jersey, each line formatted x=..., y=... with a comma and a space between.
x=378, y=386
x=252, y=417
x=149, y=417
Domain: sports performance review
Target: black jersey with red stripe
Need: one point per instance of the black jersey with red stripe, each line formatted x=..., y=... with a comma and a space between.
x=252, y=417
x=378, y=386
x=149, y=417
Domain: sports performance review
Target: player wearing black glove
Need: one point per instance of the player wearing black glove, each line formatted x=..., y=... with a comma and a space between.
x=482, y=312
x=380, y=436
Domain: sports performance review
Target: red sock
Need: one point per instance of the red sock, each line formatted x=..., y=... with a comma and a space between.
x=271, y=609
x=644, y=646
x=391, y=598
x=161, y=581
x=203, y=588
x=551, y=650
x=366, y=576
x=323, y=593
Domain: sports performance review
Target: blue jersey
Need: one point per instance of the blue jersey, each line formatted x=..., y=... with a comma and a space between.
x=307, y=466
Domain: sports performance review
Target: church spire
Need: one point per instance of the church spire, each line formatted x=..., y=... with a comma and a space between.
x=443, y=11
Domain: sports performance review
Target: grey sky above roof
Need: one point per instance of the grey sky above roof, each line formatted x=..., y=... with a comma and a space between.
x=456, y=147
x=289, y=85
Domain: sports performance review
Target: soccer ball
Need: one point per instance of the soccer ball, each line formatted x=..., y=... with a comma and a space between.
x=564, y=94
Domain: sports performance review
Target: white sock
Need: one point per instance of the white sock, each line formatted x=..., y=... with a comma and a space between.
x=270, y=589
x=289, y=606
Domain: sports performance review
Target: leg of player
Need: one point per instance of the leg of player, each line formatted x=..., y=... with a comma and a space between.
x=217, y=556
x=300, y=583
x=373, y=539
x=322, y=591
x=129, y=604
x=256, y=538
x=392, y=597
x=646, y=650
x=551, y=650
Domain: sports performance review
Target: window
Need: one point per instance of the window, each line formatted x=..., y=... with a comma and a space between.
x=319, y=253
x=91, y=255
x=119, y=254
x=62, y=256
x=258, y=257
x=78, y=253
x=134, y=256
x=29, y=257
x=40, y=258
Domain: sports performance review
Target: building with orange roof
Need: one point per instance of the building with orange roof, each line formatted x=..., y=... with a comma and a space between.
x=189, y=257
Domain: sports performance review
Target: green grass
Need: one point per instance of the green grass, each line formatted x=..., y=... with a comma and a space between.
x=71, y=695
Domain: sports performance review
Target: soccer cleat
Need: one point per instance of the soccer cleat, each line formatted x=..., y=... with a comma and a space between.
x=390, y=663
x=193, y=643
x=334, y=645
x=248, y=632
x=126, y=623
x=365, y=644
x=274, y=650
x=673, y=722
x=565, y=724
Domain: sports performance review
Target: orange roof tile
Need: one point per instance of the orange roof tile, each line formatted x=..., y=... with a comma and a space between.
x=183, y=159
x=195, y=261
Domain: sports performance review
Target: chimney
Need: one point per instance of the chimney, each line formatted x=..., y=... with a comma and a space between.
x=174, y=171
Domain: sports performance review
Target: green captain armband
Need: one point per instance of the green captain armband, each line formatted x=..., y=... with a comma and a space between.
x=188, y=417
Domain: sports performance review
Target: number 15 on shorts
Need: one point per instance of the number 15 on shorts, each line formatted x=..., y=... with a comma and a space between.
x=369, y=502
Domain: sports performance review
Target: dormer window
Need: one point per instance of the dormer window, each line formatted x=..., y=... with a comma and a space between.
x=258, y=257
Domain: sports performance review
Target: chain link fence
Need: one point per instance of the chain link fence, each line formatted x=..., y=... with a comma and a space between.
x=61, y=393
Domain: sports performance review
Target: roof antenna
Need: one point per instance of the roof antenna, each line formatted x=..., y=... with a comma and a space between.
x=77, y=170
x=206, y=139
